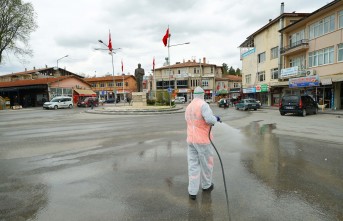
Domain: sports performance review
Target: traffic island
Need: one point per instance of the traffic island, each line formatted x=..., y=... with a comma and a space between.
x=132, y=110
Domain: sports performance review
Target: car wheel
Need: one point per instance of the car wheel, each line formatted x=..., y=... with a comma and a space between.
x=303, y=113
x=56, y=107
x=70, y=106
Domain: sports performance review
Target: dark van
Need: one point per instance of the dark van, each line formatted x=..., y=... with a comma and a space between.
x=298, y=104
x=87, y=102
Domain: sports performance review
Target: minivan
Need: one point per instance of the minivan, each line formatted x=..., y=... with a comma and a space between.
x=59, y=102
x=298, y=104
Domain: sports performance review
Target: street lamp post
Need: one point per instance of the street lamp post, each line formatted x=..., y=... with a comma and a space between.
x=60, y=59
x=124, y=88
x=114, y=82
x=186, y=43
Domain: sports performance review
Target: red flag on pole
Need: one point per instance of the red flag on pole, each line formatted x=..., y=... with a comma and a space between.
x=122, y=66
x=165, y=38
x=110, y=42
x=153, y=65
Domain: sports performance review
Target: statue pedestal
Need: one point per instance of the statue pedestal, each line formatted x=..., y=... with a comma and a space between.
x=139, y=99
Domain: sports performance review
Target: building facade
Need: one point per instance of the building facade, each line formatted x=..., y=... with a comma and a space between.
x=261, y=60
x=181, y=79
x=103, y=86
x=313, y=55
x=297, y=54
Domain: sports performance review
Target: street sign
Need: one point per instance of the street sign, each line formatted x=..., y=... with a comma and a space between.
x=169, y=90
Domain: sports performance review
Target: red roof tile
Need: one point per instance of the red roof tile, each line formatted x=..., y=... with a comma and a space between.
x=33, y=81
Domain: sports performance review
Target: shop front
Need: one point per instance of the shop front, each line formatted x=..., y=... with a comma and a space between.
x=81, y=94
x=262, y=93
x=249, y=92
x=183, y=92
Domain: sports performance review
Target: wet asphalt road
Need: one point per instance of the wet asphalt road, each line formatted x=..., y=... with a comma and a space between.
x=70, y=165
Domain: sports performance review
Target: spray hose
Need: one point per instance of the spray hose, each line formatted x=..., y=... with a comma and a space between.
x=221, y=164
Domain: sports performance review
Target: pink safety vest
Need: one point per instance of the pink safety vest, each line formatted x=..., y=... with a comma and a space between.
x=197, y=128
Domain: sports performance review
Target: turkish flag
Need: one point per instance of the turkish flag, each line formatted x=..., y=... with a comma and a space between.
x=165, y=38
x=109, y=42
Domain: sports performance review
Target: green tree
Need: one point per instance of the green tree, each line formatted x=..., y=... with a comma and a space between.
x=232, y=71
x=225, y=68
x=238, y=71
x=17, y=21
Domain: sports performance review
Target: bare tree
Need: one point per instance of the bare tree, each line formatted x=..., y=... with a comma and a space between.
x=17, y=21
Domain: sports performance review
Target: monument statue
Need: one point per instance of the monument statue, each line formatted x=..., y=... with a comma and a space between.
x=139, y=73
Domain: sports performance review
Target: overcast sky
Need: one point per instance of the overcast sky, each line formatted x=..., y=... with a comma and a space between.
x=214, y=28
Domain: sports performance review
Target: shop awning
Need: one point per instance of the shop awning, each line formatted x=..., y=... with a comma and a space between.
x=333, y=77
x=85, y=92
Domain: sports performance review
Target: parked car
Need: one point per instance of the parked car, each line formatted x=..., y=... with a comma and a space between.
x=223, y=102
x=179, y=100
x=111, y=101
x=59, y=102
x=246, y=104
x=257, y=101
x=298, y=104
x=87, y=102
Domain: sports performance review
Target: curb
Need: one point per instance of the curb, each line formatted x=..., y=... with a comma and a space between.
x=332, y=112
x=136, y=111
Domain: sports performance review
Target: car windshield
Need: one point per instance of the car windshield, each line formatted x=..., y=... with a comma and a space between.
x=55, y=100
x=290, y=99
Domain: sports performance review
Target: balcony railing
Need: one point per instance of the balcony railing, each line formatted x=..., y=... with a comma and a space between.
x=297, y=44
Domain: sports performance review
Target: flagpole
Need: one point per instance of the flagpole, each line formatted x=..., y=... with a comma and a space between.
x=114, y=82
x=169, y=68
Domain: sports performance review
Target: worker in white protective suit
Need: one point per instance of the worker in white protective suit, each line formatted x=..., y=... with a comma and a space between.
x=199, y=118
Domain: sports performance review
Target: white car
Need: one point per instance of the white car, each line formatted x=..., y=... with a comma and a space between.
x=59, y=102
x=179, y=100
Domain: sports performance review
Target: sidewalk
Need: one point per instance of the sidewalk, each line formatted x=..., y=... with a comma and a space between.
x=320, y=111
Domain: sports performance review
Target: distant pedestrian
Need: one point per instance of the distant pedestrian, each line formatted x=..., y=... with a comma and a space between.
x=91, y=103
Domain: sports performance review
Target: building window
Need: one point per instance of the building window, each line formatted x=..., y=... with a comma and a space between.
x=274, y=73
x=297, y=62
x=182, y=84
x=322, y=27
x=205, y=83
x=261, y=76
x=248, y=78
x=102, y=84
x=195, y=83
x=261, y=57
x=295, y=38
x=321, y=57
x=340, y=52
x=340, y=19
x=274, y=53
